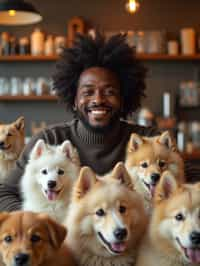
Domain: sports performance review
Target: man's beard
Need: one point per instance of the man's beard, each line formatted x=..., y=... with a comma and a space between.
x=99, y=129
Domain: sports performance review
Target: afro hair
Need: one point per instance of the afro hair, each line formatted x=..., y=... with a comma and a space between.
x=113, y=54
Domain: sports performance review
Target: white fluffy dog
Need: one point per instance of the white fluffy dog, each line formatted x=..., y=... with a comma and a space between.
x=48, y=178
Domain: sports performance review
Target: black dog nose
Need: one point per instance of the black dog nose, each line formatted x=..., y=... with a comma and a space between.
x=155, y=177
x=120, y=233
x=2, y=144
x=195, y=238
x=51, y=184
x=21, y=259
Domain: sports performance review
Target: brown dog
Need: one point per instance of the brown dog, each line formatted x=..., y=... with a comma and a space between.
x=32, y=239
x=11, y=145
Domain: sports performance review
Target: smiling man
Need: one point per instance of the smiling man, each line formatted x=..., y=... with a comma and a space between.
x=101, y=81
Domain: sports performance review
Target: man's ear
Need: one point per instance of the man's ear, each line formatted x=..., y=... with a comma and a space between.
x=135, y=142
x=85, y=182
x=38, y=149
x=120, y=173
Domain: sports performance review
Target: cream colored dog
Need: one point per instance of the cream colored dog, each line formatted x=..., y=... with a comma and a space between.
x=106, y=219
x=11, y=145
x=147, y=158
x=173, y=237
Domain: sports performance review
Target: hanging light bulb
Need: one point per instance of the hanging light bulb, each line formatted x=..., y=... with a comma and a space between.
x=132, y=6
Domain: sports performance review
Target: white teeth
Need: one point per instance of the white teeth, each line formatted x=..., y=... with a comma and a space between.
x=98, y=112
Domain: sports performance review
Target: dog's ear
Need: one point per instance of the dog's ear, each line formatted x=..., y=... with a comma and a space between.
x=57, y=232
x=3, y=216
x=166, y=187
x=19, y=123
x=120, y=173
x=38, y=149
x=135, y=142
x=167, y=140
x=70, y=151
x=85, y=182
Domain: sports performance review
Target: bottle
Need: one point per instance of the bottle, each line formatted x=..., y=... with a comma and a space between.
x=49, y=45
x=37, y=42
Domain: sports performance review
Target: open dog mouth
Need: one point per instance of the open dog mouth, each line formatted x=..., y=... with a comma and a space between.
x=150, y=187
x=5, y=147
x=52, y=194
x=191, y=253
x=116, y=248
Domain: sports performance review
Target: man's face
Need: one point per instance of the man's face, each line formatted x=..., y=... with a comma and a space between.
x=98, y=99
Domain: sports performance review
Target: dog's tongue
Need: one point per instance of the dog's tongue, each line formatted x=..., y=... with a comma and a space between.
x=152, y=190
x=118, y=247
x=193, y=255
x=51, y=195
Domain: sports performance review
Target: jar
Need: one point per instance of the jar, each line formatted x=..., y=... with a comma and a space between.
x=5, y=43
x=24, y=46
x=140, y=48
x=59, y=44
x=49, y=45
x=37, y=42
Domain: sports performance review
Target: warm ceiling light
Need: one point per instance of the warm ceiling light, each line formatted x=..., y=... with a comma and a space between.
x=18, y=12
x=132, y=6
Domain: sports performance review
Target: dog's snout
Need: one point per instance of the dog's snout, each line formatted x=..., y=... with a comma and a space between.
x=120, y=233
x=195, y=238
x=155, y=177
x=2, y=144
x=21, y=259
x=51, y=184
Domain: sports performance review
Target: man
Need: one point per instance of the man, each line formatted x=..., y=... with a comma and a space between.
x=101, y=81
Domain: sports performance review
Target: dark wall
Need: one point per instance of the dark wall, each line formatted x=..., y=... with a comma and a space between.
x=109, y=15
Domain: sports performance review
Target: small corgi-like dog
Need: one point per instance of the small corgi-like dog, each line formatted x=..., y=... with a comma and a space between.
x=173, y=236
x=32, y=239
x=147, y=158
x=106, y=219
x=11, y=145
x=48, y=178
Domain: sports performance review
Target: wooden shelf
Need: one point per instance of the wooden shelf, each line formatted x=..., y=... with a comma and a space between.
x=8, y=98
x=145, y=57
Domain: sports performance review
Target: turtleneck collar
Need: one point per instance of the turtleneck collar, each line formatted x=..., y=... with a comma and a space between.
x=90, y=137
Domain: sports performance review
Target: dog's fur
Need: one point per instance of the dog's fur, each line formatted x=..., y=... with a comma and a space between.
x=11, y=145
x=32, y=239
x=106, y=219
x=147, y=158
x=48, y=178
x=174, y=232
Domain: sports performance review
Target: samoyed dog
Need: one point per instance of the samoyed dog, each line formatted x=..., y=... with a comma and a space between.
x=48, y=178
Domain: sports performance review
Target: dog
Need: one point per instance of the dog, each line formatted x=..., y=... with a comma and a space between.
x=106, y=218
x=173, y=236
x=11, y=145
x=147, y=158
x=32, y=239
x=48, y=178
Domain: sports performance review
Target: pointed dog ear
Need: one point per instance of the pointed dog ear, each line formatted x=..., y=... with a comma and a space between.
x=70, y=151
x=167, y=140
x=135, y=142
x=19, y=123
x=166, y=187
x=56, y=231
x=85, y=182
x=38, y=149
x=120, y=173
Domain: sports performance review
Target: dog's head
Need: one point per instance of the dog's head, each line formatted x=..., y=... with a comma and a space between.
x=29, y=239
x=11, y=139
x=175, y=225
x=108, y=213
x=54, y=167
x=147, y=158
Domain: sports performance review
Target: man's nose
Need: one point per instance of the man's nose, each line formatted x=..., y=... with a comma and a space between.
x=98, y=98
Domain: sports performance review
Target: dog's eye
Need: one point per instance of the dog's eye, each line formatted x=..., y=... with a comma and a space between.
x=8, y=239
x=161, y=164
x=100, y=212
x=180, y=217
x=44, y=171
x=35, y=238
x=61, y=172
x=122, y=209
x=144, y=165
x=9, y=134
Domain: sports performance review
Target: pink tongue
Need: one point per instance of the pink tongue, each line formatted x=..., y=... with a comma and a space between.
x=119, y=247
x=51, y=195
x=152, y=190
x=193, y=254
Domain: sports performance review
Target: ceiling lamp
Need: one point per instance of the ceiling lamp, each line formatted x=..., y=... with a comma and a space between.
x=18, y=12
x=132, y=6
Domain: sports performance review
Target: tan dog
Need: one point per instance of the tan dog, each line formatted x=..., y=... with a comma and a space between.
x=173, y=237
x=11, y=145
x=147, y=158
x=30, y=239
x=106, y=219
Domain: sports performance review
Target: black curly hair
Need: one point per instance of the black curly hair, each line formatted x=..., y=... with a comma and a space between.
x=113, y=54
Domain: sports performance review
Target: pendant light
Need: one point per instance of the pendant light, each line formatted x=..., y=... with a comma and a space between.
x=132, y=6
x=18, y=12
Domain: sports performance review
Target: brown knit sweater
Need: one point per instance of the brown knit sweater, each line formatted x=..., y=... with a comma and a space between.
x=99, y=151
